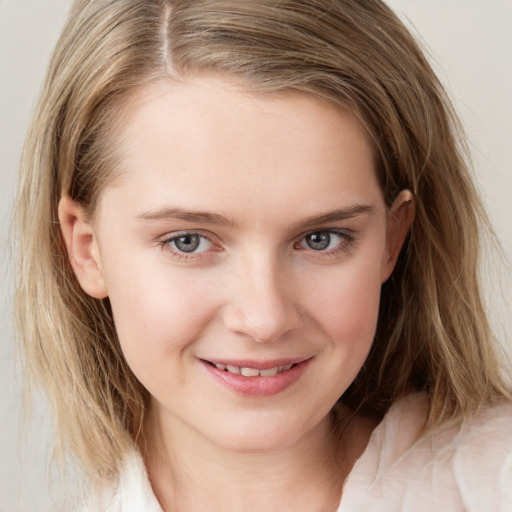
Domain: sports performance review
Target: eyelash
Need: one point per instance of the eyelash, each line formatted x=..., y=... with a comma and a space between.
x=176, y=253
x=347, y=239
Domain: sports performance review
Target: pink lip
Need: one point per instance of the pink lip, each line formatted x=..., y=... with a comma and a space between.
x=257, y=386
x=261, y=365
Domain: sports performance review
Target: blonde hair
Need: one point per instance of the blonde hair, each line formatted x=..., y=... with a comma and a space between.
x=432, y=333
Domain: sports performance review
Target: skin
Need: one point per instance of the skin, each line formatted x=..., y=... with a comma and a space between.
x=261, y=174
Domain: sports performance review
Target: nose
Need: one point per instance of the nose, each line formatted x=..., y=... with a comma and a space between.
x=261, y=305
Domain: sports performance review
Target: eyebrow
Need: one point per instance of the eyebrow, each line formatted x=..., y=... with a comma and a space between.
x=201, y=217
x=186, y=215
x=339, y=214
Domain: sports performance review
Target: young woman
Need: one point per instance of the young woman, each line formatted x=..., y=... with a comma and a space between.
x=249, y=264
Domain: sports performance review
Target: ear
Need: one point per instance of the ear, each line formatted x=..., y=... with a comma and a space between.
x=82, y=247
x=401, y=217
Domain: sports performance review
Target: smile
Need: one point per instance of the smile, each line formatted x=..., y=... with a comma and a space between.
x=253, y=372
x=257, y=378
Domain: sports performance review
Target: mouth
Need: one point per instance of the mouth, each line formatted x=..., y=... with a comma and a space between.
x=257, y=379
x=253, y=370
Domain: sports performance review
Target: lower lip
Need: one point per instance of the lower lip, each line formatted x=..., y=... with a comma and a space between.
x=257, y=386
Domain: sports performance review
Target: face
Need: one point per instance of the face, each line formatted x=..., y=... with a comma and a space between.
x=243, y=250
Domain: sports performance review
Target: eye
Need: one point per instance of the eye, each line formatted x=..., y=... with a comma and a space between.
x=323, y=241
x=189, y=243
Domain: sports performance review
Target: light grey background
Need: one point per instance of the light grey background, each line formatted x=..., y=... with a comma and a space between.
x=470, y=44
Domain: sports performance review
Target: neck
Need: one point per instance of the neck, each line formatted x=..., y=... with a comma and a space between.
x=190, y=473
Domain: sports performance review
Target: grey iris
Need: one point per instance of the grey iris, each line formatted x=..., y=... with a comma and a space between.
x=187, y=243
x=318, y=241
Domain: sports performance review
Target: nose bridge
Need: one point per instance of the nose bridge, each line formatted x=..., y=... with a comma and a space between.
x=262, y=303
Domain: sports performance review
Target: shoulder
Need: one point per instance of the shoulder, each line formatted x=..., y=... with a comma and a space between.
x=130, y=493
x=459, y=467
x=482, y=459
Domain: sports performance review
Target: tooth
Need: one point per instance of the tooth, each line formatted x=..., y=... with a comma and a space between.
x=270, y=372
x=233, y=369
x=285, y=367
x=220, y=366
x=249, y=372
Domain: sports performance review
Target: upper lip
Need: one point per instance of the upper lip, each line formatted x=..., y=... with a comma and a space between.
x=260, y=365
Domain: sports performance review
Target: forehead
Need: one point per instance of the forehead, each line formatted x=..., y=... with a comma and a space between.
x=210, y=142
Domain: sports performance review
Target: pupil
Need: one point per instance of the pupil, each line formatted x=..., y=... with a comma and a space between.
x=318, y=241
x=187, y=243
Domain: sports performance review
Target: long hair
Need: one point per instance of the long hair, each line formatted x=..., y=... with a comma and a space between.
x=432, y=332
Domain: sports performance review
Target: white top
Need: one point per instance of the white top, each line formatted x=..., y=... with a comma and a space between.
x=456, y=469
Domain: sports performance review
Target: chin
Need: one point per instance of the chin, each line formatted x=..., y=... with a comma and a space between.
x=267, y=435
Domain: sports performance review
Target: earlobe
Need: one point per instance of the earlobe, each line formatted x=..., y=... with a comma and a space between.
x=82, y=247
x=400, y=220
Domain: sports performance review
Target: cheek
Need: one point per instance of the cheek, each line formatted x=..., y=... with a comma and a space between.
x=156, y=312
x=346, y=305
